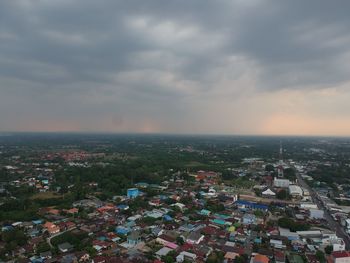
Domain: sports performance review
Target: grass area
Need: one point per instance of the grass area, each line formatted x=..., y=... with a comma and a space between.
x=46, y=195
x=294, y=258
x=76, y=238
x=194, y=164
x=241, y=183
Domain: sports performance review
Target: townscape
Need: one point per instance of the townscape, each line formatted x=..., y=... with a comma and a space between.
x=86, y=198
x=187, y=131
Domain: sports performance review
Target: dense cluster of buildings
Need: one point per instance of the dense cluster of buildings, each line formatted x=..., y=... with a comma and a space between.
x=181, y=223
x=200, y=219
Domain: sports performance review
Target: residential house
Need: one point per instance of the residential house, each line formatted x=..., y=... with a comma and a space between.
x=51, y=228
x=65, y=247
x=249, y=219
x=184, y=255
x=258, y=258
x=134, y=238
x=194, y=238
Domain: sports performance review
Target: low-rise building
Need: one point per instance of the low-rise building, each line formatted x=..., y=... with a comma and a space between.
x=295, y=191
x=340, y=257
x=281, y=183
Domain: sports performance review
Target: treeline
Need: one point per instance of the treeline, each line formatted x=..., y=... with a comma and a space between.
x=11, y=239
x=114, y=178
x=331, y=174
x=292, y=225
x=78, y=239
x=25, y=209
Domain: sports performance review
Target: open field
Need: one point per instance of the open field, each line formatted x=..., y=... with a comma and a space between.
x=46, y=195
x=194, y=164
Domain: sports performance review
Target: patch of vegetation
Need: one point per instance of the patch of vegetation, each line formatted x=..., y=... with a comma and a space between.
x=78, y=239
x=292, y=225
x=45, y=195
x=283, y=194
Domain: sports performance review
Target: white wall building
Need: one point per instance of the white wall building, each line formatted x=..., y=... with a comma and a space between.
x=308, y=206
x=295, y=190
x=186, y=255
x=340, y=257
x=282, y=183
x=316, y=213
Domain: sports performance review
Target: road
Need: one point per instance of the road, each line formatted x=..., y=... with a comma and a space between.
x=58, y=234
x=334, y=225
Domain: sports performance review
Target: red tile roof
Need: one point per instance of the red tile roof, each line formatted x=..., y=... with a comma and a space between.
x=261, y=259
x=340, y=254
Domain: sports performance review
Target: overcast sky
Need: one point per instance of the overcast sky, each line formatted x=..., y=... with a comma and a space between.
x=181, y=66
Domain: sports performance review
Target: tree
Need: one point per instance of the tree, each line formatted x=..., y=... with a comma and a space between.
x=320, y=256
x=91, y=250
x=188, y=178
x=328, y=249
x=149, y=220
x=215, y=257
x=282, y=194
x=259, y=213
x=269, y=168
x=43, y=247
x=137, y=203
x=16, y=236
x=150, y=255
x=240, y=259
x=289, y=173
x=170, y=258
x=180, y=241
x=258, y=192
x=286, y=222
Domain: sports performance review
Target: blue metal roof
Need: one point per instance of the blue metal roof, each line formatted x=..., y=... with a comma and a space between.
x=252, y=205
x=167, y=218
x=122, y=230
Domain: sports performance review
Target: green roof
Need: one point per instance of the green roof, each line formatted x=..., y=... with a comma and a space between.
x=222, y=216
x=219, y=221
x=204, y=212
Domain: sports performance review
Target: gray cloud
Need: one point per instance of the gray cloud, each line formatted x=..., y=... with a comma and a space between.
x=136, y=60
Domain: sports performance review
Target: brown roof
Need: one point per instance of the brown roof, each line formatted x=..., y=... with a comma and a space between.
x=261, y=259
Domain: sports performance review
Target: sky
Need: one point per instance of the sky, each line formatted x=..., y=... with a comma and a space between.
x=184, y=66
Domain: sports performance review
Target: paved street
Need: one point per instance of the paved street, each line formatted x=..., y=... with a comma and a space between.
x=334, y=225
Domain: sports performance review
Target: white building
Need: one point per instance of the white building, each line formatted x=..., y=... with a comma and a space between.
x=184, y=255
x=276, y=243
x=316, y=213
x=163, y=252
x=338, y=244
x=295, y=190
x=308, y=205
x=268, y=192
x=306, y=192
x=281, y=183
x=340, y=256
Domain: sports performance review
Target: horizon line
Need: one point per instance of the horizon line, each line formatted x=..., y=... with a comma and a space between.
x=9, y=133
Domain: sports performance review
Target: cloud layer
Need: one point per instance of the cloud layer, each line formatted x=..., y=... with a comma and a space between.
x=232, y=67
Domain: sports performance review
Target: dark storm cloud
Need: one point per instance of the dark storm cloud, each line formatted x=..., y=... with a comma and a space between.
x=86, y=40
x=134, y=57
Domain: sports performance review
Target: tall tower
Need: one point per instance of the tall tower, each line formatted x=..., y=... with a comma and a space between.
x=280, y=162
x=281, y=153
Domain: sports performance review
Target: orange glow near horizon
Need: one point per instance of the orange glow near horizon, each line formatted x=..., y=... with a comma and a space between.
x=287, y=124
